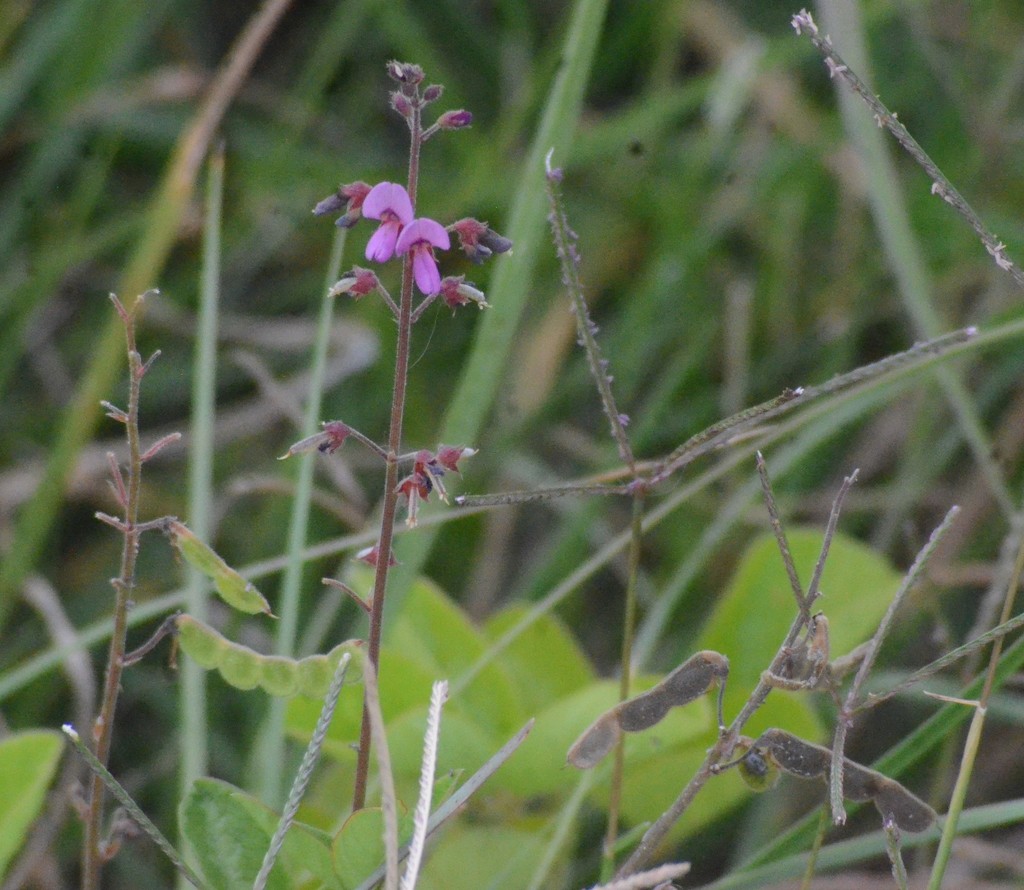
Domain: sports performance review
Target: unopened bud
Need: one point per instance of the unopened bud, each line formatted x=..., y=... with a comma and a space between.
x=454, y=120
x=433, y=92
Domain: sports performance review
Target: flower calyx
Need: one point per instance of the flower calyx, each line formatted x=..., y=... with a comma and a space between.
x=348, y=197
x=456, y=292
x=478, y=240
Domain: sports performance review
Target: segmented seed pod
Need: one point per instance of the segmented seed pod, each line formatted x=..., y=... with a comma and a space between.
x=595, y=742
x=200, y=642
x=907, y=810
x=241, y=667
x=279, y=676
x=232, y=587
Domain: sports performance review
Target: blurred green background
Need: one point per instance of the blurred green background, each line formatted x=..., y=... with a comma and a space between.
x=732, y=243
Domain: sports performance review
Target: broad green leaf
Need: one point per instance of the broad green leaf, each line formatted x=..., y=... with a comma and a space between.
x=358, y=847
x=468, y=857
x=28, y=761
x=230, y=832
x=539, y=766
x=751, y=620
x=545, y=661
x=433, y=631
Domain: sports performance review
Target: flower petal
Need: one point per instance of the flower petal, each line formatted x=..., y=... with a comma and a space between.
x=424, y=270
x=381, y=246
x=423, y=229
x=387, y=197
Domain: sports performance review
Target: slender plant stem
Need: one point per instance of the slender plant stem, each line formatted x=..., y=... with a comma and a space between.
x=124, y=585
x=192, y=692
x=390, y=504
x=949, y=830
x=626, y=664
x=272, y=748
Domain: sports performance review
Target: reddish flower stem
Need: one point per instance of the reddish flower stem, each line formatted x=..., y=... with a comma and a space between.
x=390, y=506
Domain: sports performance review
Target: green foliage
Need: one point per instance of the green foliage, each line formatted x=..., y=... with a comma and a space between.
x=230, y=831
x=28, y=762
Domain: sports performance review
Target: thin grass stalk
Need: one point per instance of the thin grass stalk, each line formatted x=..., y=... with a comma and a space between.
x=161, y=232
x=421, y=817
x=564, y=822
x=812, y=856
x=885, y=196
x=271, y=750
x=625, y=676
x=388, y=804
x=192, y=691
x=842, y=724
x=103, y=775
x=304, y=774
x=949, y=829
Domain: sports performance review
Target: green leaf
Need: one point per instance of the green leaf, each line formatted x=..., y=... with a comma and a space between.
x=468, y=857
x=28, y=761
x=230, y=832
x=545, y=661
x=433, y=631
x=358, y=847
x=751, y=620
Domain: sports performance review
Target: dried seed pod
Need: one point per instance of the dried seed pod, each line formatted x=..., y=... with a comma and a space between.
x=793, y=755
x=809, y=761
x=695, y=676
x=907, y=810
x=595, y=741
x=689, y=681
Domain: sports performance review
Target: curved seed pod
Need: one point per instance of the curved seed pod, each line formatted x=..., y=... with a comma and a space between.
x=279, y=676
x=809, y=761
x=860, y=783
x=695, y=676
x=200, y=642
x=241, y=667
x=907, y=810
x=245, y=668
x=232, y=587
x=595, y=741
x=313, y=675
x=793, y=755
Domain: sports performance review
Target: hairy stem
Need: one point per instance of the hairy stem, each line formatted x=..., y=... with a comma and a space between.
x=124, y=584
x=390, y=505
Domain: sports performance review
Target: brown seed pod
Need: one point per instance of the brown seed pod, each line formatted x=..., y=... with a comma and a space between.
x=595, y=741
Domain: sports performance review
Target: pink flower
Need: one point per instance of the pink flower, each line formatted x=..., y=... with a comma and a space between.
x=420, y=237
x=388, y=202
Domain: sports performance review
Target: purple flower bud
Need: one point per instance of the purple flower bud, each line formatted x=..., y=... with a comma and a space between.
x=432, y=93
x=350, y=197
x=454, y=120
